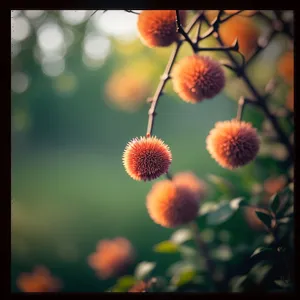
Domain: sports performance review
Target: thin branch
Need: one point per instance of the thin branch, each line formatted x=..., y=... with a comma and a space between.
x=230, y=16
x=230, y=48
x=197, y=39
x=193, y=22
x=93, y=14
x=133, y=12
x=241, y=106
x=164, y=78
x=263, y=42
x=210, y=31
x=182, y=31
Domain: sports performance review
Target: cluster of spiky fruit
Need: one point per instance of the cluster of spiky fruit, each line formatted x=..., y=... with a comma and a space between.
x=232, y=144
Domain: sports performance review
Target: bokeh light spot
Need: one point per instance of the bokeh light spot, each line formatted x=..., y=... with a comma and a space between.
x=20, y=28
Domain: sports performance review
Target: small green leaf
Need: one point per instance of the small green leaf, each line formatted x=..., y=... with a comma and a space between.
x=184, y=277
x=144, y=269
x=265, y=218
x=283, y=284
x=259, y=272
x=181, y=235
x=123, y=284
x=237, y=203
x=259, y=250
x=178, y=267
x=126, y=282
x=275, y=203
x=166, y=247
x=237, y=283
x=222, y=214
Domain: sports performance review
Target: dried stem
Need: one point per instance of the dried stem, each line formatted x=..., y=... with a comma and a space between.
x=241, y=106
x=182, y=31
x=164, y=78
x=230, y=16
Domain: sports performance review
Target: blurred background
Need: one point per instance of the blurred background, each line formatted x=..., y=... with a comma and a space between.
x=79, y=85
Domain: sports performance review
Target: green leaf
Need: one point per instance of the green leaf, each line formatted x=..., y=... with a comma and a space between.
x=275, y=203
x=259, y=272
x=265, y=218
x=223, y=211
x=237, y=283
x=178, y=267
x=126, y=282
x=166, y=247
x=182, y=235
x=260, y=250
x=144, y=269
x=222, y=214
x=191, y=256
x=237, y=203
x=283, y=284
x=184, y=277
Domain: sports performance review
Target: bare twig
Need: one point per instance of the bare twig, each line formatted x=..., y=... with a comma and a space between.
x=133, y=12
x=182, y=31
x=263, y=42
x=230, y=16
x=241, y=106
x=164, y=78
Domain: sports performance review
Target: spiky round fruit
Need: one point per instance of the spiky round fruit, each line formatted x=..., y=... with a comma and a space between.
x=196, y=78
x=146, y=158
x=171, y=205
x=157, y=28
x=233, y=143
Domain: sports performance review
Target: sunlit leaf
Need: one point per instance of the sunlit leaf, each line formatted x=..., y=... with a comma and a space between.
x=178, y=267
x=144, y=269
x=237, y=203
x=259, y=272
x=126, y=282
x=237, y=283
x=259, y=250
x=181, y=235
x=222, y=214
x=166, y=247
x=283, y=284
x=184, y=277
